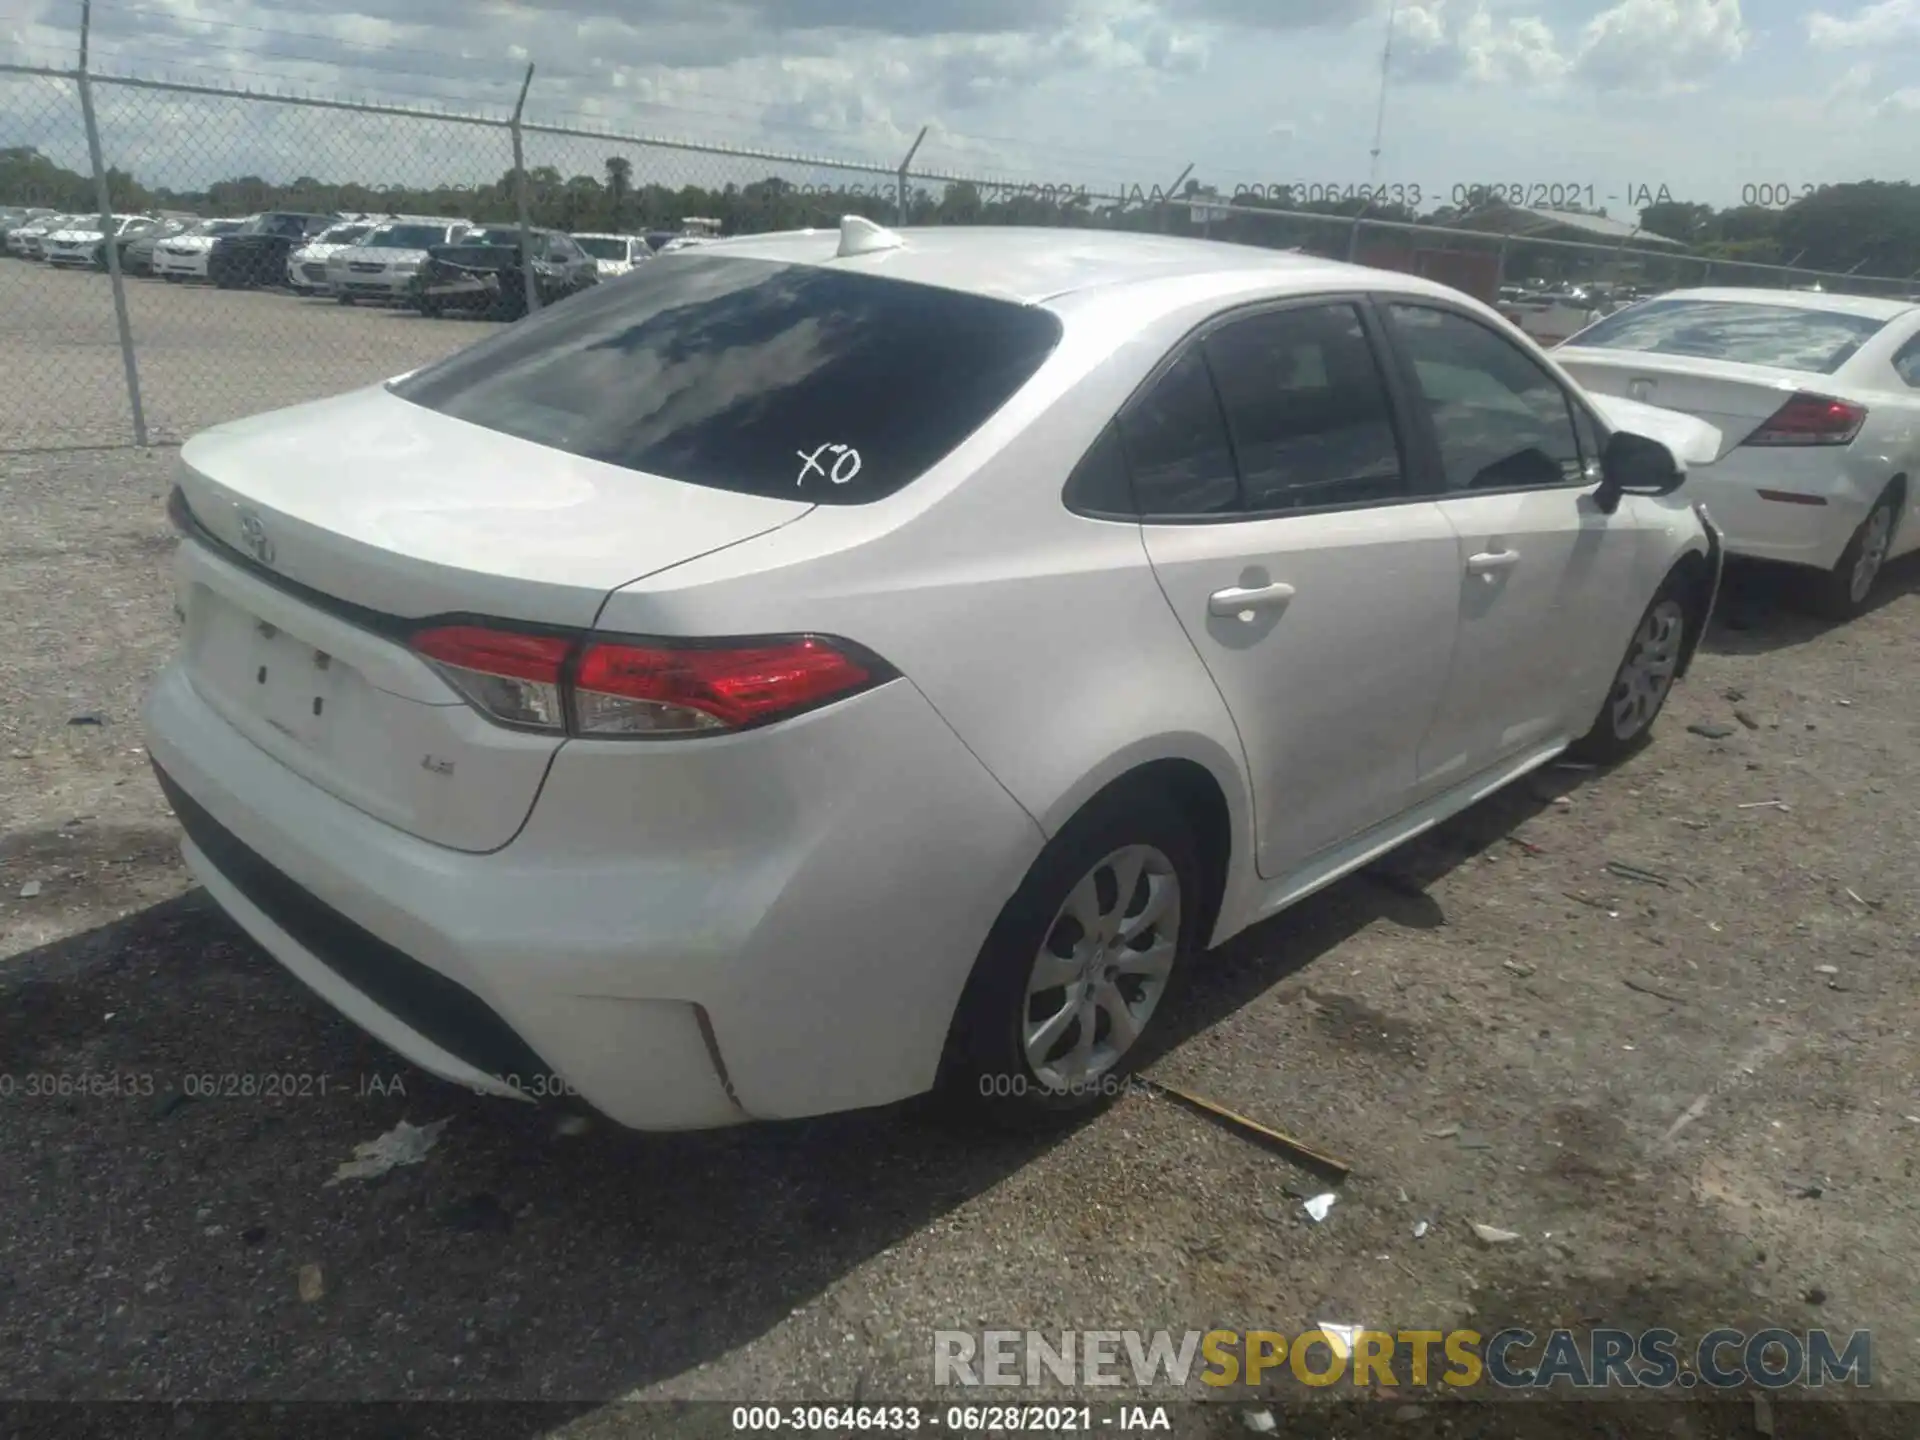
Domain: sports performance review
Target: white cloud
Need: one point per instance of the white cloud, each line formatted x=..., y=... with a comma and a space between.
x=1888, y=22
x=1636, y=45
x=1661, y=44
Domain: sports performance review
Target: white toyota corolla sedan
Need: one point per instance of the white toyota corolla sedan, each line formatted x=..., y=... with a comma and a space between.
x=827, y=667
x=1817, y=399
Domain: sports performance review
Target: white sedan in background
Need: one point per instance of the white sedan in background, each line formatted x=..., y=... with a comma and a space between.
x=26, y=240
x=307, y=266
x=79, y=244
x=656, y=704
x=382, y=266
x=1817, y=398
x=614, y=255
x=184, y=257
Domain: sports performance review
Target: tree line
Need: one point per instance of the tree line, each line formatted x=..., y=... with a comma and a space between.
x=1872, y=227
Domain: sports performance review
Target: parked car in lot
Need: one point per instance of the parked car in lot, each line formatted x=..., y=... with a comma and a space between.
x=256, y=254
x=83, y=244
x=26, y=240
x=307, y=265
x=614, y=255
x=384, y=264
x=136, y=248
x=483, y=272
x=820, y=668
x=1817, y=399
x=185, y=256
x=13, y=217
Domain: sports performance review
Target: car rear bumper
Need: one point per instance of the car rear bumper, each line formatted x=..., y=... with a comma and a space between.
x=767, y=930
x=1799, y=506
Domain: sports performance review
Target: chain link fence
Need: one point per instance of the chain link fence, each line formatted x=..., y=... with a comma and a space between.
x=120, y=322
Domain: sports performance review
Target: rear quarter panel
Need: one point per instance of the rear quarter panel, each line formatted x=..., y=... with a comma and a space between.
x=1039, y=635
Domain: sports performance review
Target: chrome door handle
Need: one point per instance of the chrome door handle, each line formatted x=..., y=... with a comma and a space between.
x=1488, y=561
x=1236, y=601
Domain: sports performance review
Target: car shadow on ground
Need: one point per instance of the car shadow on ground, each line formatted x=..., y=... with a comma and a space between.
x=1758, y=610
x=177, y=1104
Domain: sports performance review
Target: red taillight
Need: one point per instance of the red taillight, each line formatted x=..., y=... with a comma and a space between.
x=514, y=678
x=654, y=690
x=642, y=688
x=1811, y=420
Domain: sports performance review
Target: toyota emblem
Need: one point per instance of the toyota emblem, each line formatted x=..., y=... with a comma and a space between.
x=254, y=536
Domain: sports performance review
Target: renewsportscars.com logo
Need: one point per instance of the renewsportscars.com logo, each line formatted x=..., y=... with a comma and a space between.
x=1509, y=1359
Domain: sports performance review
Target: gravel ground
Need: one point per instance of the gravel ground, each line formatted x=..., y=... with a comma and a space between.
x=1693, y=1099
x=204, y=355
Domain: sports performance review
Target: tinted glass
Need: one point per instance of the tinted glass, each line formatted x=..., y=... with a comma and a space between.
x=602, y=249
x=496, y=235
x=786, y=380
x=1100, y=484
x=1500, y=420
x=1307, y=409
x=408, y=237
x=1786, y=336
x=1177, y=445
x=1907, y=363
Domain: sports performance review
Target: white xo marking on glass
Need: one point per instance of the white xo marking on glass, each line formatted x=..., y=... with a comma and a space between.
x=845, y=465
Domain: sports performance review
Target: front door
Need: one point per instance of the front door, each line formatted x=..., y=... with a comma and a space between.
x=1548, y=582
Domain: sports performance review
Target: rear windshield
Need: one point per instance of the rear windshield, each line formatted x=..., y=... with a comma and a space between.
x=408, y=237
x=1783, y=336
x=782, y=380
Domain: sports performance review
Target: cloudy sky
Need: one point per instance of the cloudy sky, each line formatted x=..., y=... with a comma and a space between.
x=1597, y=97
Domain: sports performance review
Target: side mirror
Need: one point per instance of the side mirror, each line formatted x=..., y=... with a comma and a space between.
x=1636, y=465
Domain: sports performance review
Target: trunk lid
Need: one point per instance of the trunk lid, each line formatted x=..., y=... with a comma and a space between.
x=1734, y=398
x=391, y=513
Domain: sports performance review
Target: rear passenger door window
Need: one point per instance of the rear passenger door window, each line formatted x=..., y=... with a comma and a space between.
x=1500, y=421
x=1176, y=443
x=1307, y=409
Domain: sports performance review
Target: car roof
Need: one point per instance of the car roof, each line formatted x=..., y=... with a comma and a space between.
x=1034, y=264
x=1870, y=306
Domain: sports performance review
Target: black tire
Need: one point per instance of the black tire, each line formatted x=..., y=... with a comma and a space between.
x=1846, y=591
x=986, y=1073
x=343, y=299
x=429, y=309
x=1654, y=653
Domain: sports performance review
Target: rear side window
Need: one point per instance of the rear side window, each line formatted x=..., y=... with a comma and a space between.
x=1784, y=336
x=1906, y=364
x=783, y=380
x=1176, y=441
x=1307, y=409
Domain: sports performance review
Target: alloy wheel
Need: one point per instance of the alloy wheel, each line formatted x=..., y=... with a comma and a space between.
x=1875, y=538
x=1646, y=675
x=1102, y=969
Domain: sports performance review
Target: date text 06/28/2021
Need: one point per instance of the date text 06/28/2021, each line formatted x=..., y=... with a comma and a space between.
x=1055, y=1419
x=1569, y=194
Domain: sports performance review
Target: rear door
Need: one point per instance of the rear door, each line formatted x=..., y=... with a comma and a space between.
x=1276, y=511
x=1547, y=586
